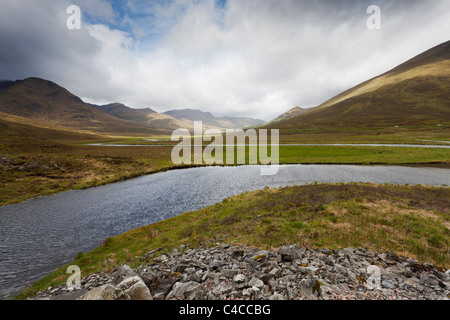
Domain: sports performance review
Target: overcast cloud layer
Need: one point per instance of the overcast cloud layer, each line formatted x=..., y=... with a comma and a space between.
x=253, y=58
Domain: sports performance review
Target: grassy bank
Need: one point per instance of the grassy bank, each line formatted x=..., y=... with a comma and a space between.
x=28, y=175
x=407, y=220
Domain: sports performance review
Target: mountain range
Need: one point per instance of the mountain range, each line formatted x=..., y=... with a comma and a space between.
x=212, y=121
x=48, y=105
x=416, y=92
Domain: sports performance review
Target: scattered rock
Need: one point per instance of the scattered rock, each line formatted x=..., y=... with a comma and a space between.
x=289, y=273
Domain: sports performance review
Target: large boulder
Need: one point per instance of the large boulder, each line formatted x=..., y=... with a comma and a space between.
x=134, y=288
x=105, y=292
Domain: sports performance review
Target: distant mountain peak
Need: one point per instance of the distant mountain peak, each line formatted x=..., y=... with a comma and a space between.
x=211, y=121
x=291, y=113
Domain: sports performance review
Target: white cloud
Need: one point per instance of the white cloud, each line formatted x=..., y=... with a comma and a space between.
x=251, y=58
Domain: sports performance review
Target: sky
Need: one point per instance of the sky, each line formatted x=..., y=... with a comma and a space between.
x=255, y=58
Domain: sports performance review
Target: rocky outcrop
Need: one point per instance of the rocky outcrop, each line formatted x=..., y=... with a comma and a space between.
x=288, y=273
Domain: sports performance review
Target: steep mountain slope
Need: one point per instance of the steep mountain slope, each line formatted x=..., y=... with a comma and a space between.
x=147, y=116
x=415, y=92
x=212, y=121
x=47, y=102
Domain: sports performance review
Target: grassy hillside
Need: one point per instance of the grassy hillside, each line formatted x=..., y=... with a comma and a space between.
x=416, y=92
x=417, y=101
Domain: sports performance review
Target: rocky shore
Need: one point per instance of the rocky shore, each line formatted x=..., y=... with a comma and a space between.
x=288, y=273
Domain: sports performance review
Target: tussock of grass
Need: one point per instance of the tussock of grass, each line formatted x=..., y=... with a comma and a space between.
x=408, y=220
